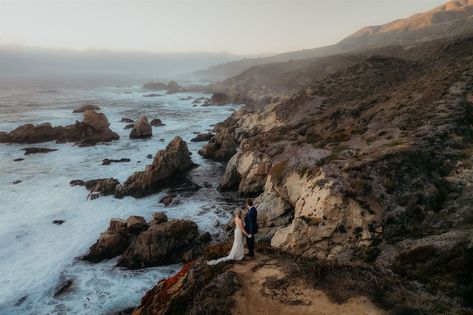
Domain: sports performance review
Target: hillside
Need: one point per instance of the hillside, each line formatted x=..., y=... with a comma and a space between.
x=451, y=20
x=371, y=165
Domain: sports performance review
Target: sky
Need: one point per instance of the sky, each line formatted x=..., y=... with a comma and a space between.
x=236, y=26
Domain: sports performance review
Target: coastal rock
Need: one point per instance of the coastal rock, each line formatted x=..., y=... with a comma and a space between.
x=201, y=137
x=110, y=161
x=85, y=107
x=136, y=224
x=30, y=133
x=127, y=120
x=103, y=186
x=219, y=99
x=168, y=165
x=159, y=217
x=92, y=130
x=141, y=129
x=156, y=123
x=220, y=148
x=18, y=159
x=111, y=243
x=160, y=244
x=29, y=151
x=129, y=126
x=167, y=200
x=207, y=290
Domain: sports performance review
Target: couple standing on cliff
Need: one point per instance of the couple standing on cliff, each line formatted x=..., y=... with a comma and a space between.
x=246, y=227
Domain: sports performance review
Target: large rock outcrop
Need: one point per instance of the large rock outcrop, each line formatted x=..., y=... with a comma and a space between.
x=160, y=244
x=142, y=244
x=221, y=147
x=168, y=166
x=206, y=290
x=141, y=129
x=111, y=243
x=93, y=129
x=371, y=153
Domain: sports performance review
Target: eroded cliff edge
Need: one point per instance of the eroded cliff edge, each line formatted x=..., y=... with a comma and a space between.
x=362, y=180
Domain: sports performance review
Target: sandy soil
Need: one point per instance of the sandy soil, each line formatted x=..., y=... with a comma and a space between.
x=264, y=291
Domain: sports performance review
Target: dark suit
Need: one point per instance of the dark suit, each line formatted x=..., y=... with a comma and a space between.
x=251, y=227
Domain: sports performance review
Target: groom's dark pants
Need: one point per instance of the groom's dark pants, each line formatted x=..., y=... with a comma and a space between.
x=250, y=243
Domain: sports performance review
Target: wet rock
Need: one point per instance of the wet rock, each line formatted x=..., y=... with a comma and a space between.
x=65, y=287
x=102, y=186
x=167, y=166
x=18, y=159
x=85, y=107
x=167, y=200
x=152, y=95
x=127, y=120
x=110, y=161
x=29, y=151
x=156, y=123
x=149, y=156
x=202, y=137
x=16, y=182
x=160, y=244
x=93, y=129
x=129, y=126
x=200, y=100
x=159, y=217
x=186, y=98
x=136, y=224
x=58, y=222
x=141, y=129
x=111, y=243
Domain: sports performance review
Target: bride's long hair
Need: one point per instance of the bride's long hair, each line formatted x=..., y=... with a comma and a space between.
x=239, y=213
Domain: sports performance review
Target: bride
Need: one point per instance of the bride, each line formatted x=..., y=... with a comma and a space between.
x=237, y=251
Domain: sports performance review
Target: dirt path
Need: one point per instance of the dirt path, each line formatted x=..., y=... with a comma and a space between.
x=264, y=291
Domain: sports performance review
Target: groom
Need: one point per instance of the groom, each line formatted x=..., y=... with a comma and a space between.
x=251, y=227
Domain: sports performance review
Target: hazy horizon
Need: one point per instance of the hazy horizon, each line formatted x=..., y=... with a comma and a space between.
x=239, y=27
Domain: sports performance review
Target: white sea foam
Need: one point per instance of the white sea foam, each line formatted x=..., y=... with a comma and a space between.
x=37, y=255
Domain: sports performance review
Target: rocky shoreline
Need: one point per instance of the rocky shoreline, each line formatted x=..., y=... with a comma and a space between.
x=361, y=180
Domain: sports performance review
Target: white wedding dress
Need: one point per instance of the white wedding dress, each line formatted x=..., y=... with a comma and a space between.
x=237, y=252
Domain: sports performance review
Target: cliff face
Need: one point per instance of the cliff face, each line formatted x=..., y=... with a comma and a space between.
x=378, y=152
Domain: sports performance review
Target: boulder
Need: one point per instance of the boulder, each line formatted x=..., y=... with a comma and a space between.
x=129, y=126
x=110, y=161
x=85, y=107
x=103, y=186
x=159, y=217
x=29, y=151
x=201, y=137
x=141, y=129
x=18, y=159
x=160, y=244
x=167, y=166
x=111, y=243
x=167, y=200
x=96, y=120
x=136, y=224
x=220, y=148
x=156, y=123
x=127, y=120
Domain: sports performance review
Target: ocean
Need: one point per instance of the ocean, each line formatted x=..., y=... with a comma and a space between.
x=37, y=256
